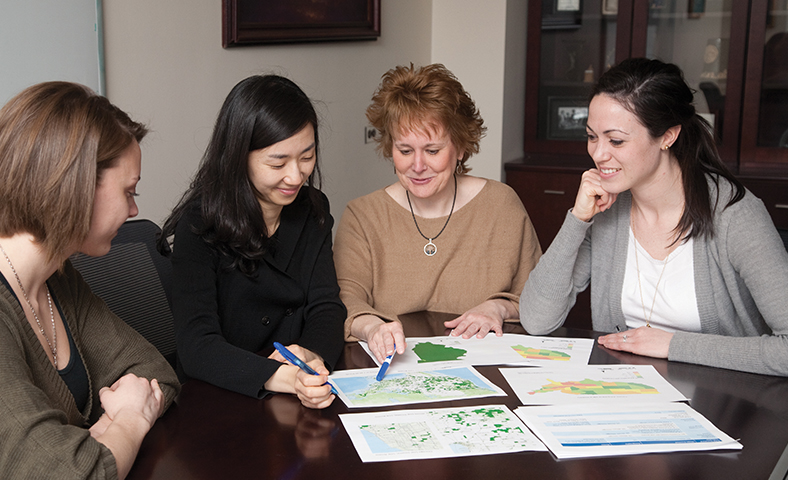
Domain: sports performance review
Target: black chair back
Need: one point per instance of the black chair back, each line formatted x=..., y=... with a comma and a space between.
x=135, y=280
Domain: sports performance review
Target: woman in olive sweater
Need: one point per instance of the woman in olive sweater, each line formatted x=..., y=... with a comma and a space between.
x=80, y=388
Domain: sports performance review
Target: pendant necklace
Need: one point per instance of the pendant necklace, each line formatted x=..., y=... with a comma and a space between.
x=53, y=343
x=430, y=248
x=640, y=287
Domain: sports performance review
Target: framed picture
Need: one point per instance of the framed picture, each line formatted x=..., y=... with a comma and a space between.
x=609, y=7
x=251, y=22
x=561, y=14
x=696, y=8
x=567, y=118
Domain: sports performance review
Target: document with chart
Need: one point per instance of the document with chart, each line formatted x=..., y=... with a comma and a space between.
x=438, y=433
x=586, y=430
x=359, y=388
x=591, y=383
x=509, y=349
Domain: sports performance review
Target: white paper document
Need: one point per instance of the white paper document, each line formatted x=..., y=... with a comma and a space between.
x=439, y=433
x=359, y=388
x=602, y=384
x=509, y=349
x=599, y=430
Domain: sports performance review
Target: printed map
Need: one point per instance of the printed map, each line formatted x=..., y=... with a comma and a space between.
x=359, y=388
x=404, y=434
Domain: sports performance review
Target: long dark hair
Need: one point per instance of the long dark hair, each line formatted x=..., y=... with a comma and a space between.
x=259, y=111
x=657, y=94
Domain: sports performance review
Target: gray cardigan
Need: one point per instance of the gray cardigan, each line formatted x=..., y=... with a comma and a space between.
x=741, y=284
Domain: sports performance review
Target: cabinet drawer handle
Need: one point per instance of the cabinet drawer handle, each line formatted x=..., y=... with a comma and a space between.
x=782, y=206
x=561, y=192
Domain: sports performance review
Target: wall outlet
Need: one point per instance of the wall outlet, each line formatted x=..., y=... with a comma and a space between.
x=370, y=134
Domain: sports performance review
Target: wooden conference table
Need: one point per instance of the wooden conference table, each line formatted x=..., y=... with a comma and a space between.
x=212, y=433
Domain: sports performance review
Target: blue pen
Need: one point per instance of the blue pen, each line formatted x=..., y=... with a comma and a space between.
x=385, y=366
x=299, y=363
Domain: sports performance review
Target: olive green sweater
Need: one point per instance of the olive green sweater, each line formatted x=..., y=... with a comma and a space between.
x=42, y=434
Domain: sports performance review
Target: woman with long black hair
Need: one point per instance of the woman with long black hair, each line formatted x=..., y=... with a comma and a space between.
x=252, y=259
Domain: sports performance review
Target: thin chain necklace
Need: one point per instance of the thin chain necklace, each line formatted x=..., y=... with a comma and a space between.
x=640, y=287
x=53, y=343
x=430, y=249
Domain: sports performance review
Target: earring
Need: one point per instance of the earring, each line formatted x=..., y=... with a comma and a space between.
x=665, y=147
x=458, y=168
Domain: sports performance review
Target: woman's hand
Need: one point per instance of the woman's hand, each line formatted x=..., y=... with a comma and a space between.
x=381, y=336
x=134, y=396
x=591, y=197
x=484, y=318
x=651, y=342
x=312, y=390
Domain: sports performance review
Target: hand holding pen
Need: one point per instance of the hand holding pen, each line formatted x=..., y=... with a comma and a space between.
x=292, y=358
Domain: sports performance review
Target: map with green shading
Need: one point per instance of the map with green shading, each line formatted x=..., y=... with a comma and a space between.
x=469, y=430
x=540, y=353
x=415, y=387
x=430, y=352
x=596, y=387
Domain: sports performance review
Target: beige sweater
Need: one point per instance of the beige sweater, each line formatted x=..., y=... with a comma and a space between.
x=486, y=251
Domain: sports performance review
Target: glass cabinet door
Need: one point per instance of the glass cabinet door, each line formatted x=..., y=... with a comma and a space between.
x=706, y=39
x=575, y=43
x=765, y=125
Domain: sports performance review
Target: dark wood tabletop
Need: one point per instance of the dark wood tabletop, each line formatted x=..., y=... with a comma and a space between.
x=211, y=433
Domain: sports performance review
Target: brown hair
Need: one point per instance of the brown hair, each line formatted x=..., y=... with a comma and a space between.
x=56, y=138
x=429, y=97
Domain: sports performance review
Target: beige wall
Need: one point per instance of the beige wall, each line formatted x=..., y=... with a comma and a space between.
x=166, y=67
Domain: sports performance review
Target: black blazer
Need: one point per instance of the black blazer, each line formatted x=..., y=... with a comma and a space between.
x=223, y=317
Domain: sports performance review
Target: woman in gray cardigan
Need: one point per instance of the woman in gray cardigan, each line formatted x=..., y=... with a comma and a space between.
x=684, y=262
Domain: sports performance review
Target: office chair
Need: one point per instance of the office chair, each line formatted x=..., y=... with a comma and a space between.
x=134, y=280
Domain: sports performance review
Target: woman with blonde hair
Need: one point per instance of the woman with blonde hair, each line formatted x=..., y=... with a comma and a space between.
x=80, y=387
x=437, y=239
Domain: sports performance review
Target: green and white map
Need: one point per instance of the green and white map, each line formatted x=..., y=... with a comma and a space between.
x=445, y=432
x=508, y=349
x=359, y=388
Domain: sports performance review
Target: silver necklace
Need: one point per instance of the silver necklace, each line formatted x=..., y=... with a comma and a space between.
x=53, y=343
x=430, y=248
x=640, y=287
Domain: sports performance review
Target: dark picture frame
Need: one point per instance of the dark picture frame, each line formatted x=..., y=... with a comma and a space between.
x=567, y=118
x=556, y=16
x=254, y=22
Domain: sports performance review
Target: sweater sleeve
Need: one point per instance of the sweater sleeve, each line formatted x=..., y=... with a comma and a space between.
x=37, y=439
x=512, y=209
x=562, y=272
x=754, y=250
x=354, y=266
x=111, y=348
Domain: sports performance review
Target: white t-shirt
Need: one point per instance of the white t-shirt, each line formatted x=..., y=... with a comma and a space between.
x=675, y=305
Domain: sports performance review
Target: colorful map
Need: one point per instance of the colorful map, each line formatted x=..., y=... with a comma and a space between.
x=596, y=387
x=541, y=354
x=359, y=388
x=431, y=352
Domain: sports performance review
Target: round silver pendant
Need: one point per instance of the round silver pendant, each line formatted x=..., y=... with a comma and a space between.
x=430, y=249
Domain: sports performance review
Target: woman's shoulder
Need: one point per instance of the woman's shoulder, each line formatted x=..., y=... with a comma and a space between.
x=376, y=200
x=500, y=196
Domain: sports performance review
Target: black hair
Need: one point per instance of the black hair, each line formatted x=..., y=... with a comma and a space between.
x=657, y=94
x=258, y=112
